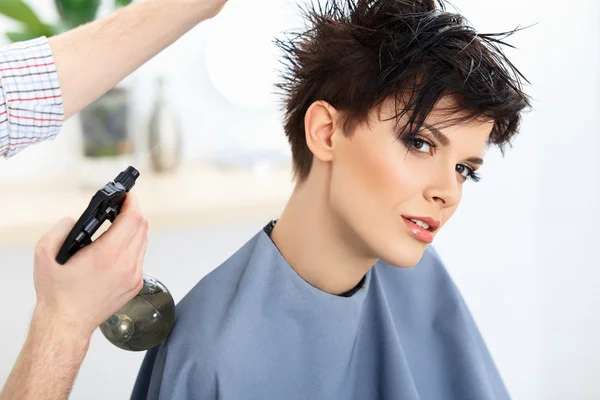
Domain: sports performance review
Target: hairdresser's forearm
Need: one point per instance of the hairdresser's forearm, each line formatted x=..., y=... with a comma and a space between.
x=49, y=361
x=95, y=57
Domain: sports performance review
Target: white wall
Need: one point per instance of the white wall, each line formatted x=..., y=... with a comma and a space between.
x=522, y=245
x=568, y=193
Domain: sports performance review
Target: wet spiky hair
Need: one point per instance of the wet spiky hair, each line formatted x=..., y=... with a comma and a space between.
x=355, y=54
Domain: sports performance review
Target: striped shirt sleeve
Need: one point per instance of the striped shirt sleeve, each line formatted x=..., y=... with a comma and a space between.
x=31, y=108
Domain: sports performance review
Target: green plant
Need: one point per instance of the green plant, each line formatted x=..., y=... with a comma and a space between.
x=73, y=13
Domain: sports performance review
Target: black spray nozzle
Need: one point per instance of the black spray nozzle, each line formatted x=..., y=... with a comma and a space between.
x=127, y=178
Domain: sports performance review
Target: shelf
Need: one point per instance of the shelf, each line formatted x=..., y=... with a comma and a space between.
x=194, y=196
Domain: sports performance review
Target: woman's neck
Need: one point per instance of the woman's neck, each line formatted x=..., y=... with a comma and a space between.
x=316, y=244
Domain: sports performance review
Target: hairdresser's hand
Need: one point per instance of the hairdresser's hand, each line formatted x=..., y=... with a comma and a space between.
x=97, y=280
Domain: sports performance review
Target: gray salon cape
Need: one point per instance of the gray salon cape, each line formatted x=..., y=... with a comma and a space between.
x=254, y=329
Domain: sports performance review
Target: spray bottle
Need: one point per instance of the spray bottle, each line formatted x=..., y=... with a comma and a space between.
x=146, y=320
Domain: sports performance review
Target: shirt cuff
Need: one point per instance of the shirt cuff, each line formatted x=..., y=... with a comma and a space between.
x=31, y=106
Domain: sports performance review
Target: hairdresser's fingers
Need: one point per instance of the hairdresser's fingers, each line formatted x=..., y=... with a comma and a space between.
x=131, y=253
x=118, y=236
x=130, y=208
x=136, y=243
x=139, y=269
x=52, y=241
x=125, y=226
x=142, y=255
x=131, y=258
x=131, y=204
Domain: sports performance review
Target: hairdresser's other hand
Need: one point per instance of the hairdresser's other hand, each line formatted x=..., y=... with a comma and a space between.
x=98, y=280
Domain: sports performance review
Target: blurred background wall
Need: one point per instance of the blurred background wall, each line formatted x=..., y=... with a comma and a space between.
x=522, y=247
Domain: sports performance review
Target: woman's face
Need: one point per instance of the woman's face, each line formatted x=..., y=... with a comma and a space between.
x=395, y=196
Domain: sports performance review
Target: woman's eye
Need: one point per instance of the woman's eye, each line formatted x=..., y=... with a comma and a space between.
x=421, y=145
x=467, y=172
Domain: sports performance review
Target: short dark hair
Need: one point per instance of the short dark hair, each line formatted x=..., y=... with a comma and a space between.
x=355, y=54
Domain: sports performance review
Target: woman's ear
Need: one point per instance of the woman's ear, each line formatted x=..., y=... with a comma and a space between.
x=319, y=128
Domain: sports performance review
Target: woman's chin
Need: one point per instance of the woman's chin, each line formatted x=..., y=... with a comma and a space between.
x=405, y=256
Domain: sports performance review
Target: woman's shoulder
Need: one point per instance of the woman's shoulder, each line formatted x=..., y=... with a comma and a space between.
x=223, y=293
x=214, y=291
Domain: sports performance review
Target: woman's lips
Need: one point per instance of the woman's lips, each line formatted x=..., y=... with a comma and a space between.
x=424, y=235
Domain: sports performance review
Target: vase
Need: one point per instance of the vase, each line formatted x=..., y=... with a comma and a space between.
x=106, y=140
x=164, y=133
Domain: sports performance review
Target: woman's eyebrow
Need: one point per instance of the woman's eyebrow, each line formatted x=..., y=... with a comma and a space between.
x=475, y=160
x=443, y=139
